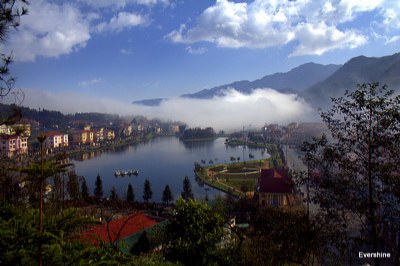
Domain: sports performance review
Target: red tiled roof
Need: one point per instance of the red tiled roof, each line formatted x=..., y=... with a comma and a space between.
x=118, y=228
x=275, y=181
x=54, y=133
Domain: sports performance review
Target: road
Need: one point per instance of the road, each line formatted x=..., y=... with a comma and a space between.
x=295, y=163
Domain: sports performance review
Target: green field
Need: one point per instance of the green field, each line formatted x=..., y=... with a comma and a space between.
x=237, y=179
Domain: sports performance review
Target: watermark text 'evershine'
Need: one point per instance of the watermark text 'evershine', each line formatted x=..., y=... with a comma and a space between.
x=365, y=255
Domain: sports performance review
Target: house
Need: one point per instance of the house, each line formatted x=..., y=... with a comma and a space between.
x=174, y=129
x=55, y=140
x=109, y=134
x=275, y=188
x=127, y=130
x=14, y=139
x=101, y=134
x=83, y=136
x=98, y=134
x=11, y=145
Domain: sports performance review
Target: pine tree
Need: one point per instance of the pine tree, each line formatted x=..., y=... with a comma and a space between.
x=147, y=192
x=98, y=188
x=130, y=195
x=167, y=195
x=73, y=186
x=187, y=192
x=114, y=195
x=85, y=190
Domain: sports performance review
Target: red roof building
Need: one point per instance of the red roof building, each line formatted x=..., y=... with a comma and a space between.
x=275, y=187
x=118, y=229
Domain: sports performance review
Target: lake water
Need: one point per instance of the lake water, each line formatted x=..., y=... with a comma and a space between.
x=164, y=160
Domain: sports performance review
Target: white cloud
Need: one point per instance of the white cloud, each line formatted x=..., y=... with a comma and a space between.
x=126, y=51
x=195, y=51
x=318, y=39
x=227, y=112
x=90, y=82
x=118, y=4
x=152, y=2
x=49, y=31
x=315, y=27
x=123, y=20
x=393, y=39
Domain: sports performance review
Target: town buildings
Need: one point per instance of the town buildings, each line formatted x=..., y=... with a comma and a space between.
x=14, y=139
x=55, y=140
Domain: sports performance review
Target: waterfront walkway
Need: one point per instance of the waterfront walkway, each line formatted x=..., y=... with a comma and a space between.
x=295, y=163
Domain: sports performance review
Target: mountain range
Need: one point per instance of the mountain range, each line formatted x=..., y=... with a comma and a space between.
x=316, y=83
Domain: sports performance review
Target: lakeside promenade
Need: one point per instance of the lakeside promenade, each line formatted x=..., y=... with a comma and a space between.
x=295, y=163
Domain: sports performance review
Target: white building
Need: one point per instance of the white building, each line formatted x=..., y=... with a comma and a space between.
x=55, y=140
x=11, y=145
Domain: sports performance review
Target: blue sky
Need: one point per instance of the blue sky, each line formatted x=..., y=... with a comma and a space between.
x=126, y=50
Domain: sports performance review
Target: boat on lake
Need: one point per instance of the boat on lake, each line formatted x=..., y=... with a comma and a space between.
x=126, y=172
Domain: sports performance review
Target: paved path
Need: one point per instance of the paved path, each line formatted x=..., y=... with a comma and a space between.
x=295, y=163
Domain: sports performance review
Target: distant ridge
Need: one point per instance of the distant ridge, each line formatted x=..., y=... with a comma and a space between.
x=316, y=83
x=294, y=81
x=360, y=69
x=149, y=102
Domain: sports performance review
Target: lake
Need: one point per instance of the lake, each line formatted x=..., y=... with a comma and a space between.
x=162, y=160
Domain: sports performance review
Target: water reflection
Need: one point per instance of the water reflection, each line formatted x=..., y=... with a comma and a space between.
x=195, y=145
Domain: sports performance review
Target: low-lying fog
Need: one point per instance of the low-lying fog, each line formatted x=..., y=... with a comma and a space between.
x=231, y=111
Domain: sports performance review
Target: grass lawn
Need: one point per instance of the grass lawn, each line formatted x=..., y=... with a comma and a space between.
x=242, y=184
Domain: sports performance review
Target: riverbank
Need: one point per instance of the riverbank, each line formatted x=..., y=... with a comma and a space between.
x=77, y=151
x=198, y=139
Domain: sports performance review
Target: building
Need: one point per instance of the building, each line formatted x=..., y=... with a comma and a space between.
x=14, y=139
x=275, y=188
x=11, y=145
x=83, y=136
x=127, y=130
x=101, y=134
x=55, y=140
x=175, y=129
x=98, y=134
x=109, y=134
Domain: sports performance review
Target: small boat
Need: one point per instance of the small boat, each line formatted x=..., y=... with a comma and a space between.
x=126, y=172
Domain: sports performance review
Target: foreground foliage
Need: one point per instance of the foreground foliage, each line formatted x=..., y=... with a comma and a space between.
x=194, y=234
x=60, y=241
x=355, y=179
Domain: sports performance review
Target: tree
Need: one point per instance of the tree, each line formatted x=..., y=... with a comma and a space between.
x=10, y=13
x=130, y=195
x=167, y=195
x=114, y=198
x=73, y=186
x=85, y=190
x=187, y=189
x=355, y=178
x=193, y=234
x=98, y=188
x=147, y=192
x=142, y=246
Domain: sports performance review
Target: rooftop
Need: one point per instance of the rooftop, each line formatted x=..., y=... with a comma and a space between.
x=119, y=228
x=275, y=181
